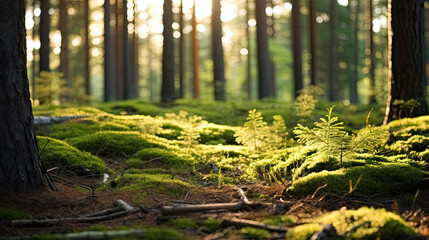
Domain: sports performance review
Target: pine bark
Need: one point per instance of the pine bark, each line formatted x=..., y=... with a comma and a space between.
x=19, y=155
x=195, y=59
x=264, y=62
x=167, y=86
x=297, y=46
x=217, y=52
x=333, y=82
x=407, y=73
x=45, y=27
x=312, y=23
x=109, y=63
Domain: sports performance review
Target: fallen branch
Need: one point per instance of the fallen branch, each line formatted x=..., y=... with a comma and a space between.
x=186, y=208
x=121, y=208
x=90, y=235
x=249, y=223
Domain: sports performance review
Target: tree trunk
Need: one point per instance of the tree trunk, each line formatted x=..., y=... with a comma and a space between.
x=127, y=63
x=19, y=155
x=119, y=49
x=181, y=53
x=109, y=63
x=64, y=54
x=195, y=59
x=167, y=86
x=297, y=47
x=370, y=50
x=264, y=61
x=45, y=27
x=249, y=54
x=354, y=81
x=407, y=73
x=217, y=52
x=333, y=83
x=86, y=50
x=312, y=23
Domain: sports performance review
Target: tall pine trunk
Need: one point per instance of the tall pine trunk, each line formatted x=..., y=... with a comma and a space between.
x=167, y=86
x=297, y=47
x=407, y=73
x=217, y=52
x=195, y=59
x=20, y=161
x=264, y=62
x=312, y=23
x=45, y=27
x=109, y=55
x=333, y=82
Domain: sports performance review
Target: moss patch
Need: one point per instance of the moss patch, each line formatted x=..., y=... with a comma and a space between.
x=56, y=153
x=385, y=177
x=182, y=223
x=108, y=143
x=150, y=157
x=8, y=214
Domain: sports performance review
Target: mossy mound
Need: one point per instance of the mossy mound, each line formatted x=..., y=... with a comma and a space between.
x=79, y=128
x=182, y=223
x=57, y=111
x=217, y=134
x=364, y=223
x=56, y=153
x=384, y=177
x=8, y=214
x=153, y=182
x=153, y=157
x=113, y=143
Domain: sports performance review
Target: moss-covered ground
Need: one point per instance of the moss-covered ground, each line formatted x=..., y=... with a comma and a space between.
x=200, y=151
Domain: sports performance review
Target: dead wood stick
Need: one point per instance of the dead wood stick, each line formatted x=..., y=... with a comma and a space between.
x=90, y=235
x=43, y=222
x=249, y=223
x=186, y=208
x=105, y=212
x=242, y=195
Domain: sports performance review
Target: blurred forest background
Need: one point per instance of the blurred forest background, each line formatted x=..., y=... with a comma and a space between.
x=90, y=51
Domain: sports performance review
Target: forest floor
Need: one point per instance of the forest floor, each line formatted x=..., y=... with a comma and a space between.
x=154, y=171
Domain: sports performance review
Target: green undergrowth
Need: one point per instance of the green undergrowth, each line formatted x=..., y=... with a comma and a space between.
x=154, y=182
x=364, y=223
x=157, y=157
x=56, y=153
x=115, y=143
x=57, y=111
x=182, y=223
x=380, y=178
x=8, y=214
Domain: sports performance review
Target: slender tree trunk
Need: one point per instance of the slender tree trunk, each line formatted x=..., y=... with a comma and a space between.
x=264, y=66
x=196, y=63
x=312, y=23
x=136, y=77
x=20, y=163
x=119, y=49
x=333, y=82
x=167, y=86
x=33, y=63
x=109, y=55
x=217, y=52
x=297, y=47
x=370, y=49
x=127, y=63
x=181, y=53
x=355, y=79
x=64, y=54
x=86, y=50
x=407, y=73
x=249, y=54
x=45, y=27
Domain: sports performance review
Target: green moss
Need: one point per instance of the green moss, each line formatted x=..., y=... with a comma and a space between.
x=368, y=223
x=98, y=227
x=79, y=128
x=150, y=157
x=163, y=234
x=155, y=183
x=255, y=233
x=212, y=224
x=385, y=177
x=278, y=219
x=413, y=146
x=56, y=153
x=303, y=232
x=108, y=143
x=217, y=134
x=182, y=223
x=56, y=111
x=8, y=214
